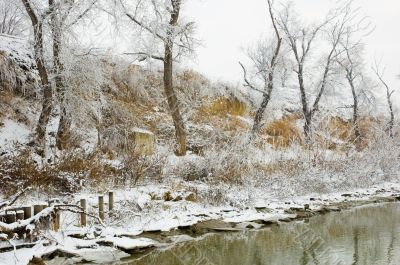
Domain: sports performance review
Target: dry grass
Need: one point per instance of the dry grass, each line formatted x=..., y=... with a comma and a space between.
x=223, y=113
x=338, y=128
x=222, y=106
x=283, y=132
x=343, y=130
x=67, y=176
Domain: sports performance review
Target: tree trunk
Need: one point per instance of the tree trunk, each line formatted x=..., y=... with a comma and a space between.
x=47, y=103
x=357, y=132
x=391, y=122
x=307, y=127
x=63, y=132
x=306, y=112
x=260, y=114
x=173, y=102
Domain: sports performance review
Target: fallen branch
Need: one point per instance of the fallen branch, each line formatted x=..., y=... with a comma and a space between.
x=14, y=199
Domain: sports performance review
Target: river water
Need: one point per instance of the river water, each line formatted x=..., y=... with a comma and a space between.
x=368, y=235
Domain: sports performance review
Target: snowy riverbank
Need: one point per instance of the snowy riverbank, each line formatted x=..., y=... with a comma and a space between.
x=155, y=216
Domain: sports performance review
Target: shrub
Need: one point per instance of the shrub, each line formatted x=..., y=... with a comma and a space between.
x=70, y=174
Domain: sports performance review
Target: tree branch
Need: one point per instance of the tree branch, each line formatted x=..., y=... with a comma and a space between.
x=133, y=18
x=247, y=82
x=14, y=199
x=146, y=55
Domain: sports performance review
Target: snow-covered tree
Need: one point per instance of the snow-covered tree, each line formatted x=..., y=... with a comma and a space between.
x=52, y=20
x=166, y=37
x=265, y=58
x=11, y=18
x=37, y=18
x=63, y=16
x=305, y=43
x=380, y=72
x=349, y=56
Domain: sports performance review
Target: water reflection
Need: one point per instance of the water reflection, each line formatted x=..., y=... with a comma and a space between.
x=363, y=236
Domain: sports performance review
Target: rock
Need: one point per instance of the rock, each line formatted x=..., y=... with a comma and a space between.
x=215, y=225
x=129, y=244
x=192, y=197
x=36, y=261
x=270, y=222
x=144, y=141
x=177, y=198
x=248, y=225
x=167, y=196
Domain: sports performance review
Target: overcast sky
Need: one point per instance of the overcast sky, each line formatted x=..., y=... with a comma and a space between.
x=227, y=26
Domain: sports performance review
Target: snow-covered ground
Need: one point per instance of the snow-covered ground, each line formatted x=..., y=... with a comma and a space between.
x=154, y=208
x=12, y=133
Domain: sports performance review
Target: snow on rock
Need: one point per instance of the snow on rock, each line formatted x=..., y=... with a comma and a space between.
x=24, y=255
x=128, y=244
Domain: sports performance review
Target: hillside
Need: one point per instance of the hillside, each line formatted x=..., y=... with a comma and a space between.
x=122, y=139
x=121, y=118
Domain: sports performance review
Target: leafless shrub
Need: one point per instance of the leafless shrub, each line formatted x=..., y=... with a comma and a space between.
x=70, y=174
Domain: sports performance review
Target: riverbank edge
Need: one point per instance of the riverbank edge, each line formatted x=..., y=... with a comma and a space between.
x=256, y=217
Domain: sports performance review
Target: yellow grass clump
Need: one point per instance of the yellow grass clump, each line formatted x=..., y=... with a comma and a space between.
x=222, y=106
x=281, y=133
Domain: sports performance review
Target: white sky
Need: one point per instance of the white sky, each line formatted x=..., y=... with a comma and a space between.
x=226, y=27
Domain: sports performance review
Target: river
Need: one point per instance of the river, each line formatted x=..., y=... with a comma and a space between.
x=368, y=235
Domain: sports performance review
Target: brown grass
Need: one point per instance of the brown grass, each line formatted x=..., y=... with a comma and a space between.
x=283, y=132
x=338, y=128
x=222, y=106
x=191, y=76
x=343, y=130
x=65, y=177
x=223, y=113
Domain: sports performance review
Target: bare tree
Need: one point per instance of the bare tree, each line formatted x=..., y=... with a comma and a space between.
x=376, y=68
x=265, y=59
x=64, y=15
x=349, y=55
x=160, y=21
x=58, y=17
x=11, y=18
x=351, y=64
x=301, y=42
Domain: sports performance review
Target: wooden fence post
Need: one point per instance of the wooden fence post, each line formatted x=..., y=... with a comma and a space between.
x=10, y=218
x=101, y=208
x=19, y=215
x=37, y=208
x=83, y=214
x=27, y=212
x=110, y=201
x=56, y=221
